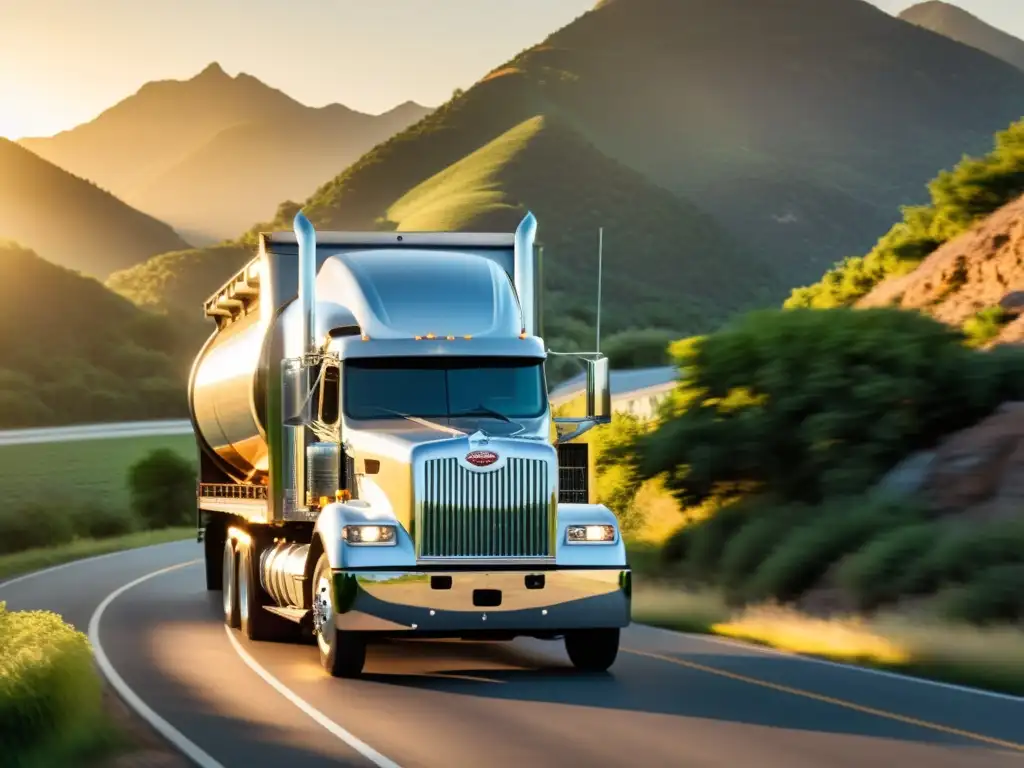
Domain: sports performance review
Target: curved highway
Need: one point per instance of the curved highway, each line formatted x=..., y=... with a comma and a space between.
x=670, y=699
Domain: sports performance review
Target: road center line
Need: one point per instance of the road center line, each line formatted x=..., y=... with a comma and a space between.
x=830, y=700
x=168, y=731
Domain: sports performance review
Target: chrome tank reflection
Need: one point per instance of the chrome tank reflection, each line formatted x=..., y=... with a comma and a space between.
x=227, y=409
x=228, y=391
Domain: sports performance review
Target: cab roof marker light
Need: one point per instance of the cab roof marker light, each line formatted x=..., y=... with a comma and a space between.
x=450, y=337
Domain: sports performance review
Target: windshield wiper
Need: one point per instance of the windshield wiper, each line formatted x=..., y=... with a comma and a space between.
x=418, y=420
x=483, y=410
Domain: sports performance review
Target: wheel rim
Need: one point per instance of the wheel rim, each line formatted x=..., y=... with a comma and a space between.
x=229, y=577
x=323, y=613
x=243, y=588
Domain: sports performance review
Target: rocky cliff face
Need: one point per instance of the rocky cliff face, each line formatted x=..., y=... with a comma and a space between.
x=979, y=271
x=977, y=473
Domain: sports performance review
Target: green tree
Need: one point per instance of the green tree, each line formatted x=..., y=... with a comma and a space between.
x=806, y=405
x=638, y=348
x=163, y=489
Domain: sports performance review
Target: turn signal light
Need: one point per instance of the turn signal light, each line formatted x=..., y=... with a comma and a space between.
x=369, y=535
x=590, y=534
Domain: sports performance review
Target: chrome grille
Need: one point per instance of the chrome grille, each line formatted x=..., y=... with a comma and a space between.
x=503, y=513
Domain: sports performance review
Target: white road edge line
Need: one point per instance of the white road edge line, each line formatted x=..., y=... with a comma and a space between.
x=168, y=731
x=332, y=727
x=768, y=651
x=172, y=734
x=83, y=561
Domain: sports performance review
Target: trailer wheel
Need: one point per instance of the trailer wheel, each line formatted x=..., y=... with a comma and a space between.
x=592, y=650
x=213, y=544
x=342, y=653
x=255, y=622
x=230, y=584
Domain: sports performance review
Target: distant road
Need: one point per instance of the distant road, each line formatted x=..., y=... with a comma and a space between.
x=95, y=431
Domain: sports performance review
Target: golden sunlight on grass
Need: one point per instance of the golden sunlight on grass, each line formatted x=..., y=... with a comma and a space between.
x=991, y=658
x=842, y=639
x=674, y=608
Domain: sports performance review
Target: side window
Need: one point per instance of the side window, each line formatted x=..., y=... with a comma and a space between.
x=330, y=396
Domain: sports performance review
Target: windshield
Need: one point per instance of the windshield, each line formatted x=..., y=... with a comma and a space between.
x=438, y=387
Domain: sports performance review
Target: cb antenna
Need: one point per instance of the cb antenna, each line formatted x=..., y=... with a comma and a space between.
x=600, y=264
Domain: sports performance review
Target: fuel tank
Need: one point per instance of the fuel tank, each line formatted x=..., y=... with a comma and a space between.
x=231, y=378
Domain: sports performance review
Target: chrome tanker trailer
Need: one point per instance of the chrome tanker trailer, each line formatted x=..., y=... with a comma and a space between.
x=376, y=451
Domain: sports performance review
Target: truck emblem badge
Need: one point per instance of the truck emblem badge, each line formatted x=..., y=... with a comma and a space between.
x=481, y=458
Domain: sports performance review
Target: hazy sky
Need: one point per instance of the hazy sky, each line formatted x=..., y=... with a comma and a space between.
x=64, y=61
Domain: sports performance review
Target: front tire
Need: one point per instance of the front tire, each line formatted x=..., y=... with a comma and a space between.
x=342, y=653
x=592, y=650
x=229, y=570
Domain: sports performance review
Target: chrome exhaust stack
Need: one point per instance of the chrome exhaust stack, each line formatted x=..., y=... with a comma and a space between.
x=526, y=273
x=305, y=234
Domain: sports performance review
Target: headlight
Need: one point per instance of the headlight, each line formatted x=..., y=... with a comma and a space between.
x=590, y=534
x=379, y=535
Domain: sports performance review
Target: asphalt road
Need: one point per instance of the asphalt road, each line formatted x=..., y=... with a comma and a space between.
x=670, y=699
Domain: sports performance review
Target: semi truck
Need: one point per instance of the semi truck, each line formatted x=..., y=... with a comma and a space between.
x=378, y=457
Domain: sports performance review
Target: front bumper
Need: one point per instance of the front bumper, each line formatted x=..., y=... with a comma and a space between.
x=444, y=602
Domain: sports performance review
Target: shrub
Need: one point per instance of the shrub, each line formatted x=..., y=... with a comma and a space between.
x=698, y=546
x=992, y=596
x=163, y=489
x=960, y=554
x=871, y=575
x=640, y=348
x=985, y=325
x=840, y=527
x=617, y=482
x=754, y=542
x=39, y=524
x=99, y=521
x=49, y=689
x=807, y=405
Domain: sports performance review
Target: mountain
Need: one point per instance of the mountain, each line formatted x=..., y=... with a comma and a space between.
x=148, y=132
x=72, y=221
x=573, y=189
x=797, y=125
x=966, y=281
x=957, y=24
x=99, y=358
x=244, y=171
x=213, y=153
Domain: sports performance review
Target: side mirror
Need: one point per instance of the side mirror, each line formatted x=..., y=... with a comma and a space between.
x=599, y=391
x=296, y=385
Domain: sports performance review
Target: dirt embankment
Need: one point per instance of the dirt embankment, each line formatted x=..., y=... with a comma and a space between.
x=980, y=269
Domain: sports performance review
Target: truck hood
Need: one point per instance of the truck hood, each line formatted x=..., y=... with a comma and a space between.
x=396, y=438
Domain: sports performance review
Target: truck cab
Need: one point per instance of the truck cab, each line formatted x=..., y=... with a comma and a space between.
x=378, y=457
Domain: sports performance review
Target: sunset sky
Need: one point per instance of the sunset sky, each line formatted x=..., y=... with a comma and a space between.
x=64, y=61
